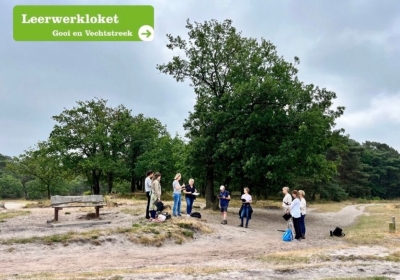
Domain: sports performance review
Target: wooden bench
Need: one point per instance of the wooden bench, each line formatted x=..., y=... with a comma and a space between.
x=59, y=202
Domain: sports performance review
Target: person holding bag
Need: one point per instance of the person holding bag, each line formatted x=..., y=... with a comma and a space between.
x=245, y=210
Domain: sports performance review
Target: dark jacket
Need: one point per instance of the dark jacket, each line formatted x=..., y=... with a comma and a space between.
x=250, y=211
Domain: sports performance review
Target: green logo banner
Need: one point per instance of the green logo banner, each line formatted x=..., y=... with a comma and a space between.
x=83, y=23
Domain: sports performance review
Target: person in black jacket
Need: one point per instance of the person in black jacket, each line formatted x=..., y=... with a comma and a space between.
x=245, y=210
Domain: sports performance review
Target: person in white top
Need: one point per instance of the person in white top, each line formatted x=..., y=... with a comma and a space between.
x=147, y=187
x=296, y=214
x=303, y=210
x=246, y=208
x=287, y=200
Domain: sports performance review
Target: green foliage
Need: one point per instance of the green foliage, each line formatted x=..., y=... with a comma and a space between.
x=253, y=123
x=10, y=187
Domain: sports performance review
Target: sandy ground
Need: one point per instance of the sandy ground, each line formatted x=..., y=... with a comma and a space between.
x=229, y=252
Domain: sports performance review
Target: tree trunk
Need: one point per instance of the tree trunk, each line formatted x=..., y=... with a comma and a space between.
x=110, y=178
x=132, y=183
x=96, y=182
x=210, y=186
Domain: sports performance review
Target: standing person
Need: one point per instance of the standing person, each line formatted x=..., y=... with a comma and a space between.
x=155, y=195
x=246, y=208
x=296, y=214
x=287, y=200
x=303, y=211
x=176, y=209
x=224, y=198
x=147, y=187
x=189, y=191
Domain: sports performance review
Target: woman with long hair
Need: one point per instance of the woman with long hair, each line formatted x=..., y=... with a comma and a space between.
x=155, y=195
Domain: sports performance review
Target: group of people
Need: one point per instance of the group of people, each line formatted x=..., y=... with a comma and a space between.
x=153, y=193
x=296, y=205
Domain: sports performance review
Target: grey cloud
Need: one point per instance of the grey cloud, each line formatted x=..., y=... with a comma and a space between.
x=37, y=80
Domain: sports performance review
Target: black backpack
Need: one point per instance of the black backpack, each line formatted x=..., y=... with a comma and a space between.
x=337, y=232
x=160, y=206
x=196, y=215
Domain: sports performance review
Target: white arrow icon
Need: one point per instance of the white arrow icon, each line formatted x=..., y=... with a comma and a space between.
x=146, y=33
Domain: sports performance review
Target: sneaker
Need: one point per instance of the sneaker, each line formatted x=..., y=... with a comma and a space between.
x=187, y=215
x=179, y=215
x=246, y=226
x=240, y=225
x=174, y=215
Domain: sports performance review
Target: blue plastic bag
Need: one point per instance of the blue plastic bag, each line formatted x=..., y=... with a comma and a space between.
x=287, y=235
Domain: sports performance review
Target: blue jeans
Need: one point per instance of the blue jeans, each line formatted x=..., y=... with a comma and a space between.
x=302, y=225
x=177, y=204
x=245, y=214
x=189, y=205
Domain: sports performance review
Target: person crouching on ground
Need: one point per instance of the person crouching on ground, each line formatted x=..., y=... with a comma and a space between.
x=189, y=191
x=303, y=208
x=155, y=195
x=296, y=214
x=224, y=198
x=246, y=208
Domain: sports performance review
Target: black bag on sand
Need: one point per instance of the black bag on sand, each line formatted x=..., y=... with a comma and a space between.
x=196, y=215
x=337, y=232
x=287, y=216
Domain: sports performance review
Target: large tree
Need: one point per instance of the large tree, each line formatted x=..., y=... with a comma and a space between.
x=82, y=137
x=253, y=121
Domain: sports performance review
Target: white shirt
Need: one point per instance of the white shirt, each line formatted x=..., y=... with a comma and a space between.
x=287, y=200
x=246, y=196
x=147, y=184
x=303, y=206
x=295, y=208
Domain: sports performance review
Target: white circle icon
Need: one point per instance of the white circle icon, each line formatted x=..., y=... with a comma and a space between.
x=146, y=33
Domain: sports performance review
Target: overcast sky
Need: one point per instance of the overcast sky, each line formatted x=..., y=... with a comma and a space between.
x=350, y=47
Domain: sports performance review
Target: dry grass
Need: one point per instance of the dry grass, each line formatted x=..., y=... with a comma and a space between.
x=361, y=278
x=36, y=204
x=134, y=211
x=117, y=274
x=144, y=233
x=325, y=207
x=12, y=214
x=373, y=229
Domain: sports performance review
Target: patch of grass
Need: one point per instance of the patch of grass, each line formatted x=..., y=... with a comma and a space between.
x=361, y=278
x=148, y=234
x=133, y=211
x=38, y=204
x=12, y=214
x=373, y=229
x=115, y=274
x=325, y=207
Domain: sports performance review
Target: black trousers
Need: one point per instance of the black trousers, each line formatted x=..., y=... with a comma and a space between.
x=297, y=228
x=148, y=204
